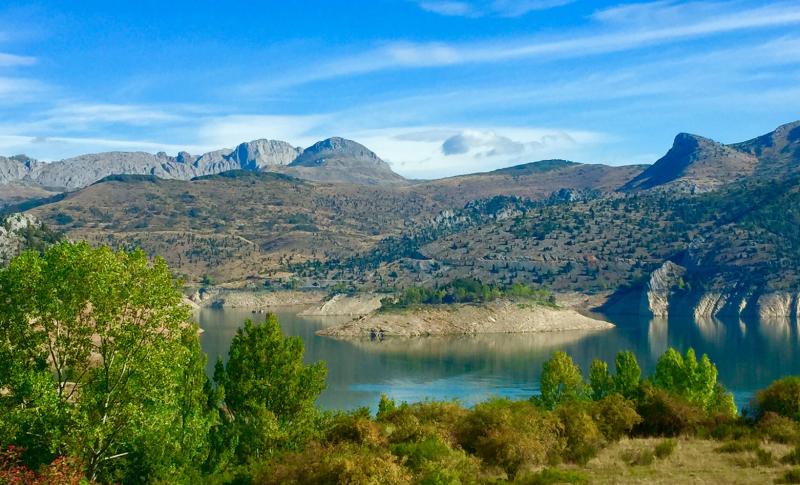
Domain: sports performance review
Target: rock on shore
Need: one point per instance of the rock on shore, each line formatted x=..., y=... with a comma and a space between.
x=355, y=305
x=495, y=317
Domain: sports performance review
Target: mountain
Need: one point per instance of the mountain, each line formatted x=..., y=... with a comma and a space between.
x=535, y=180
x=697, y=164
x=778, y=151
x=332, y=160
x=340, y=160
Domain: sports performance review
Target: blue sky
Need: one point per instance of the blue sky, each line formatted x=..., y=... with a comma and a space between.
x=435, y=87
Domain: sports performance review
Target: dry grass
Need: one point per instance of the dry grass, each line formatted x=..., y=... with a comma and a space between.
x=693, y=461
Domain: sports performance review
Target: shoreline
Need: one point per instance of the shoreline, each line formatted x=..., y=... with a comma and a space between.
x=497, y=317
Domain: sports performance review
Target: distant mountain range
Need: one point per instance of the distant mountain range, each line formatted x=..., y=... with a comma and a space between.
x=717, y=226
x=332, y=160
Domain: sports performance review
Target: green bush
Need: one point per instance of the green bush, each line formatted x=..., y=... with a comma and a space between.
x=434, y=462
x=665, y=448
x=665, y=414
x=782, y=397
x=615, y=416
x=582, y=438
x=510, y=434
x=355, y=427
x=415, y=422
x=339, y=463
x=777, y=428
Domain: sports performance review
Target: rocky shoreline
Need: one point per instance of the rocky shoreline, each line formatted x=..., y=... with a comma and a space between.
x=495, y=317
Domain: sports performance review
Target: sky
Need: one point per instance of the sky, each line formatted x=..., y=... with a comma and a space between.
x=434, y=87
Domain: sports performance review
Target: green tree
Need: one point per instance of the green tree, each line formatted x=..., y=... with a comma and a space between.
x=99, y=360
x=560, y=381
x=600, y=380
x=268, y=392
x=692, y=380
x=628, y=374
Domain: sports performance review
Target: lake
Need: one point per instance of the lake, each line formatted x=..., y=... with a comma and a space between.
x=472, y=368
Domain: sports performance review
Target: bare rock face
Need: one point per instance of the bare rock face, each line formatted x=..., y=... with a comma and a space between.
x=11, y=243
x=784, y=304
x=340, y=160
x=660, y=286
x=343, y=305
x=331, y=160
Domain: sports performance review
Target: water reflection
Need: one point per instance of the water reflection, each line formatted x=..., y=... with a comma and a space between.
x=749, y=355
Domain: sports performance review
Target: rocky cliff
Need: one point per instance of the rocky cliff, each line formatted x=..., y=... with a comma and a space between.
x=332, y=160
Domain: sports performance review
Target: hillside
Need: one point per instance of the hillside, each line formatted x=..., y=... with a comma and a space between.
x=728, y=225
x=533, y=180
x=236, y=225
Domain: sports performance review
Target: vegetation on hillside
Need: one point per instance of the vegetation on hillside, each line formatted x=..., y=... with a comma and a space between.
x=466, y=290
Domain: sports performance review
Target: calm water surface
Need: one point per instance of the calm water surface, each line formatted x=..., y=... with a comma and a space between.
x=472, y=368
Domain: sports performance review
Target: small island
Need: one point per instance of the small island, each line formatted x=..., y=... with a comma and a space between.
x=464, y=307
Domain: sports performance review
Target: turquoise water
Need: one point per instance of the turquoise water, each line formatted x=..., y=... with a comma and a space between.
x=472, y=368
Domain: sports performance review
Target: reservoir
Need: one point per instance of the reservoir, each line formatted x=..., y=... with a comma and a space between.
x=748, y=355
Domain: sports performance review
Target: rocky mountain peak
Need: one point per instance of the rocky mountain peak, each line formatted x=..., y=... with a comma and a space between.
x=696, y=164
x=336, y=149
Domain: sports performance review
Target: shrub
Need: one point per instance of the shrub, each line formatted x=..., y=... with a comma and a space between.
x=615, y=416
x=356, y=427
x=582, y=438
x=764, y=457
x=415, y=422
x=509, y=434
x=339, y=463
x=782, y=397
x=793, y=457
x=738, y=447
x=433, y=462
x=664, y=414
x=778, y=428
x=641, y=457
x=790, y=476
x=552, y=476
x=665, y=448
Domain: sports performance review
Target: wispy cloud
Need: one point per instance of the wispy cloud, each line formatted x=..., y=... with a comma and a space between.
x=15, y=60
x=498, y=8
x=617, y=29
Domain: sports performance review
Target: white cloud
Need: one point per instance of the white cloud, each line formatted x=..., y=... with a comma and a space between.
x=449, y=8
x=498, y=8
x=15, y=60
x=419, y=152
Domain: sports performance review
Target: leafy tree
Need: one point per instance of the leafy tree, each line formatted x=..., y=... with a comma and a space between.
x=560, y=381
x=628, y=374
x=600, y=380
x=98, y=361
x=268, y=392
x=692, y=380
